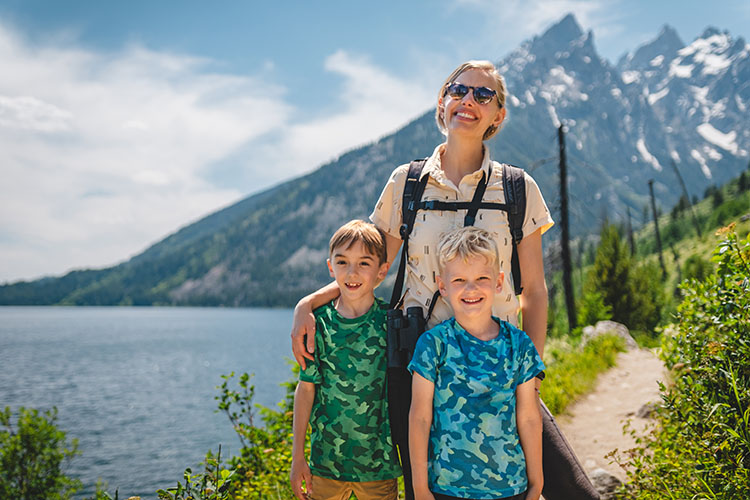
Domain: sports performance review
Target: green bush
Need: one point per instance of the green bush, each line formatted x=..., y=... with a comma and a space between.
x=32, y=453
x=700, y=445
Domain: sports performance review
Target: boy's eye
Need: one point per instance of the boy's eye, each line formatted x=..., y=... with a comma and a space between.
x=340, y=262
x=365, y=264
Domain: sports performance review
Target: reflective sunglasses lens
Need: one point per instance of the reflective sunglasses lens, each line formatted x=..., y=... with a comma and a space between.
x=483, y=95
x=457, y=90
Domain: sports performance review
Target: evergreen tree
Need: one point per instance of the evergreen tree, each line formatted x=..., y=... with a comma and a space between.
x=632, y=294
x=610, y=276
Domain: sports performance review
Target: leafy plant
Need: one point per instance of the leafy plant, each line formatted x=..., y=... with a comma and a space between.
x=211, y=484
x=33, y=452
x=700, y=445
x=266, y=454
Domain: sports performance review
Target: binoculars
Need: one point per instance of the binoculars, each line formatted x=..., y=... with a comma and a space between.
x=403, y=332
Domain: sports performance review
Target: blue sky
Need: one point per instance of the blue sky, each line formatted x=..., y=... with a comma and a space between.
x=123, y=121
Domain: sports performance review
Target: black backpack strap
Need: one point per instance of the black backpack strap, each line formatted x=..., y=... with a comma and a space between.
x=514, y=185
x=413, y=190
x=471, y=213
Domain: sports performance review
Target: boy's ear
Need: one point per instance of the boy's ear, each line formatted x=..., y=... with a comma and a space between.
x=500, y=279
x=440, y=284
x=330, y=268
x=383, y=270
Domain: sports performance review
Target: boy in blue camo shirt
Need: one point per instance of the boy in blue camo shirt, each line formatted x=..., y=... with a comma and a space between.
x=475, y=429
x=342, y=393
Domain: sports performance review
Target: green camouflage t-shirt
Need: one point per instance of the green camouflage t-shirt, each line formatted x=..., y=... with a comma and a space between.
x=351, y=435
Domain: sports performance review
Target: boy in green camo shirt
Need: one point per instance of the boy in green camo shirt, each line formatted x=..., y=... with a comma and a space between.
x=342, y=394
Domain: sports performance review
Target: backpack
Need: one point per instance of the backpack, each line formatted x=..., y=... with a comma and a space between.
x=514, y=186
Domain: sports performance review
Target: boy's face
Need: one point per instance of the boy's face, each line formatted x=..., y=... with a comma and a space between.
x=356, y=271
x=470, y=286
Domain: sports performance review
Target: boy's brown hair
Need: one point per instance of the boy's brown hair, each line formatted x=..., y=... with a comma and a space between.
x=358, y=230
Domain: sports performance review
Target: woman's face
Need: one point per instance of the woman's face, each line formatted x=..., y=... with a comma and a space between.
x=465, y=117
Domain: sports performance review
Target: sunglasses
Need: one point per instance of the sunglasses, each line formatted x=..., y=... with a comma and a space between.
x=482, y=95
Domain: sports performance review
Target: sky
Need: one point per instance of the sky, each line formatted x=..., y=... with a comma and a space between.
x=121, y=122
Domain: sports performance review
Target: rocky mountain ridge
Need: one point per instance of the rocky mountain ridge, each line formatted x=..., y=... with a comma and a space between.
x=625, y=124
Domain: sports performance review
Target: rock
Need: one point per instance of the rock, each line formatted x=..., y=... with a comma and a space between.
x=611, y=327
x=646, y=410
x=605, y=483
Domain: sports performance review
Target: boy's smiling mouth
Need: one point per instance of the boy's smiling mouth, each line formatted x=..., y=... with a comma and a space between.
x=472, y=301
x=353, y=286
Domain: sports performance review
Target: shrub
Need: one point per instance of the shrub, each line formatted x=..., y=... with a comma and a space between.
x=32, y=453
x=700, y=445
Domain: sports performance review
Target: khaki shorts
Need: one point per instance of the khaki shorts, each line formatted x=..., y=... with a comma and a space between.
x=333, y=489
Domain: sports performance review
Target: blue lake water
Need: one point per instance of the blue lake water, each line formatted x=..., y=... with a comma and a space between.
x=136, y=386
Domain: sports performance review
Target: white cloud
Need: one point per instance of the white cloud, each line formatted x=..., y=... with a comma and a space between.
x=106, y=153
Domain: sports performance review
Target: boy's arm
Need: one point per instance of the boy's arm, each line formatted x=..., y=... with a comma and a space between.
x=420, y=420
x=529, y=422
x=304, y=396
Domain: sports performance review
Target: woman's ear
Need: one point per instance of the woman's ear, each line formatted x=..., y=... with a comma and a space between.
x=499, y=118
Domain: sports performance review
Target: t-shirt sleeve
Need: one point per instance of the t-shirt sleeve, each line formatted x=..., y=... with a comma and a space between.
x=387, y=212
x=424, y=361
x=530, y=364
x=537, y=213
x=311, y=373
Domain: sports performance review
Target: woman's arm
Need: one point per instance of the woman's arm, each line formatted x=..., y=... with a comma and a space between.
x=420, y=420
x=303, y=321
x=534, y=296
x=529, y=423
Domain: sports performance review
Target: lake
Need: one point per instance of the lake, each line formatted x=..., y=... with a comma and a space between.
x=136, y=386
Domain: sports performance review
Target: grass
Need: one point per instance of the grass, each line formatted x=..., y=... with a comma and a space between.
x=572, y=372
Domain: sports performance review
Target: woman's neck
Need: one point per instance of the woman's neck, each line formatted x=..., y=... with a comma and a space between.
x=461, y=158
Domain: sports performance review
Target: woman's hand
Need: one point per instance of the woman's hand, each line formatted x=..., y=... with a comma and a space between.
x=303, y=333
x=301, y=472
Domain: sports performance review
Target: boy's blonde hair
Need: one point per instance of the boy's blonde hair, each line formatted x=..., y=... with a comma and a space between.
x=467, y=242
x=358, y=230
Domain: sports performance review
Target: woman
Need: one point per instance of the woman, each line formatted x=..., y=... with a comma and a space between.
x=470, y=109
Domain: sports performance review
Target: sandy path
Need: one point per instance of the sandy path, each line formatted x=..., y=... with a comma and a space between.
x=593, y=425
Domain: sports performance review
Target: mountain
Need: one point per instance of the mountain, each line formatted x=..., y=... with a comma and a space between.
x=625, y=124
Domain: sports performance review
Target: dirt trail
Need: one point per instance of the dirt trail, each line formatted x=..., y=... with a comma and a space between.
x=593, y=425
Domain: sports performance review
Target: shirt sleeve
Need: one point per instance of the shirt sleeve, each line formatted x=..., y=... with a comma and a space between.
x=387, y=212
x=424, y=361
x=530, y=364
x=537, y=214
x=311, y=373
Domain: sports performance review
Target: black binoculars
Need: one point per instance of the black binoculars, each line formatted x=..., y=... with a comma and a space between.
x=403, y=332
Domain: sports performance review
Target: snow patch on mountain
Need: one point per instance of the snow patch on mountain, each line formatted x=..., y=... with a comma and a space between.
x=716, y=137
x=647, y=156
x=702, y=162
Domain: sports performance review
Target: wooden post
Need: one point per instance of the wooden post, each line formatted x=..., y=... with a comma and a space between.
x=656, y=226
x=565, y=244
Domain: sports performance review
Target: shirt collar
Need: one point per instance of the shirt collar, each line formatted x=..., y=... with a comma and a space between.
x=434, y=168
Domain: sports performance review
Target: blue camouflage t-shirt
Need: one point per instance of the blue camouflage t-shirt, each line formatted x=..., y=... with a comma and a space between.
x=474, y=448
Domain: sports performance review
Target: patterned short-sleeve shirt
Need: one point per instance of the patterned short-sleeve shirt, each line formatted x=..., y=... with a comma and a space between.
x=474, y=448
x=351, y=434
x=422, y=268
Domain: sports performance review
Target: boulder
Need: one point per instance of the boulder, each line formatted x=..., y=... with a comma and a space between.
x=605, y=483
x=611, y=327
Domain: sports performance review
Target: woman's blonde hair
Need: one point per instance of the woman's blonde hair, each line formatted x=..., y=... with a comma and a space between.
x=499, y=87
x=467, y=242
